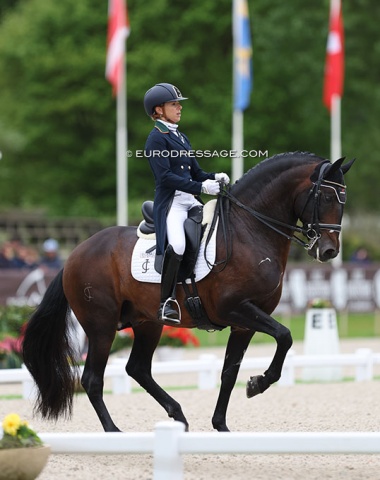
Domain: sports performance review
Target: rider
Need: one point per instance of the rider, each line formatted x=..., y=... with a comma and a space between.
x=179, y=181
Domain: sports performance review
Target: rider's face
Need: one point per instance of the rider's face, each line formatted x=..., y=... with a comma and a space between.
x=170, y=111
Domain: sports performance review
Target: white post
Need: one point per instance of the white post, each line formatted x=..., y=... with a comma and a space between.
x=121, y=151
x=168, y=464
x=121, y=383
x=364, y=370
x=28, y=386
x=288, y=371
x=207, y=377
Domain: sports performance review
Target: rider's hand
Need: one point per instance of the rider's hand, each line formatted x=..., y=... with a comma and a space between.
x=211, y=187
x=222, y=177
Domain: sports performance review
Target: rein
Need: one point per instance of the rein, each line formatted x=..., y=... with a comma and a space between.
x=270, y=222
x=219, y=213
x=310, y=230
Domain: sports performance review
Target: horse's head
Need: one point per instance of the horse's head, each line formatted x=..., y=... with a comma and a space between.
x=323, y=209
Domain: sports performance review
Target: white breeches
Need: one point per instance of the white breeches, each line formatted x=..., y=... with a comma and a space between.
x=177, y=215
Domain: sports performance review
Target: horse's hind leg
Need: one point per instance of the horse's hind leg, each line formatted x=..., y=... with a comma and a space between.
x=99, y=346
x=236, y=347
x=139, y=367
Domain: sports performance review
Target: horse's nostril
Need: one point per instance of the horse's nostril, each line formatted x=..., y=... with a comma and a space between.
x=329, y=253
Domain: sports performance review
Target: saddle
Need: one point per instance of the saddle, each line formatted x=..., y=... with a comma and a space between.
x=194, y=231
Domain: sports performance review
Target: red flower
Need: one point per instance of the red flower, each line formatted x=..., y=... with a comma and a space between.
x=11, y=344
x=180, y=336
x=177, y=337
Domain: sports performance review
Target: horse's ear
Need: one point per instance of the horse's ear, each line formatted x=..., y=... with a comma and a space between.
x=333, y=168
x=347, y=166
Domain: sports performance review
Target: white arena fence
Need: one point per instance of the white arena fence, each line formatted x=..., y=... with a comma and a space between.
x=208, y=368
x=170, y=442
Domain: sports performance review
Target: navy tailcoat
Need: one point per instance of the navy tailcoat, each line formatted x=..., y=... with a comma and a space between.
x=174, y=167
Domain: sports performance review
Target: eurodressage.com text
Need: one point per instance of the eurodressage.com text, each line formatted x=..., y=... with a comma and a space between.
x=200, y=153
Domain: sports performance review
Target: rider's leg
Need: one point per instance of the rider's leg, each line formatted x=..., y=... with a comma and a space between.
x=172, y=260
x=170, y=266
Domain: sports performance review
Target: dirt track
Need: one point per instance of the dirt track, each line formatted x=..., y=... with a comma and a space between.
x=344, y=406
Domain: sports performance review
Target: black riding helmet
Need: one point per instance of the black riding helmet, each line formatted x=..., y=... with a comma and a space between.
x=159, y=94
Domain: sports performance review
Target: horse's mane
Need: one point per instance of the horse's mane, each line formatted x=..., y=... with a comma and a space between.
x=274, y=165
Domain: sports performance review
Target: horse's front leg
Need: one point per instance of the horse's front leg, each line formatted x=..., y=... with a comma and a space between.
x=249, y=316
x=237, y=345
x=139, y=367
x=266, y=324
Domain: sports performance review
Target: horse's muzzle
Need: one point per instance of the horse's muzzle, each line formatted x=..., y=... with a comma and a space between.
x=325, y=249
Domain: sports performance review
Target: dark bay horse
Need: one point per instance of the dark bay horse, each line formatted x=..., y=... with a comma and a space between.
x=96, y=283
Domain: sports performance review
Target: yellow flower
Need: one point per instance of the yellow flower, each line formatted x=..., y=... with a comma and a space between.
x=11, y=424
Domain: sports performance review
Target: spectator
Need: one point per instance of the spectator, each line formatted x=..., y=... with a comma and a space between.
x=15, y=255
x=50, y=257
x=361, y=255
x=7, y=256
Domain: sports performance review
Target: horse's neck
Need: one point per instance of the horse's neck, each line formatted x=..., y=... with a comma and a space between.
x=274, y=198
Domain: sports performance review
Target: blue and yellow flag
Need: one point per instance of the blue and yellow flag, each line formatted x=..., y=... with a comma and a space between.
x=243, y=70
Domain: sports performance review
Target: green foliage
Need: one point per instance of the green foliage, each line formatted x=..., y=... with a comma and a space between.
x=12, y=318
x=120, y=342
x=58, y=116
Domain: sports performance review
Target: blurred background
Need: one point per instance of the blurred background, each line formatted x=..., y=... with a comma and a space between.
x=58, y=114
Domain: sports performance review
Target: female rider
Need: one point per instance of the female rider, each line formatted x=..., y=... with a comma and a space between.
x=179, y=181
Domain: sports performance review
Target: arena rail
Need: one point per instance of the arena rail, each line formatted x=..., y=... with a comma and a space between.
x=208, y=368
x=170, y=442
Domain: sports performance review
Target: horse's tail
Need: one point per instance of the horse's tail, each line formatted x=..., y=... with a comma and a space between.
x=48, y=355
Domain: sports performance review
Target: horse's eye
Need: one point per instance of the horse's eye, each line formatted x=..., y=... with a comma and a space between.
x=327, y=197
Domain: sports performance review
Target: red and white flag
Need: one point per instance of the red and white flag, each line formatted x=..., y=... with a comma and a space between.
x=118, y=31
x=334, y=67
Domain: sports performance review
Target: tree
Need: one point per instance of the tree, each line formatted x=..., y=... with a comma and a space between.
x=57, y=116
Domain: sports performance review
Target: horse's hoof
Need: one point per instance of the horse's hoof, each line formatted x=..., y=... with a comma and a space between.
x=253, y=386
x=224, y=428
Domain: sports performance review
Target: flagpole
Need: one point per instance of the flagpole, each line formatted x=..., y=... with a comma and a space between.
x=336, y=153
x=336, y=136
x=237, y=115
x=336, y=142
x=335, y=116
x=121, y=150
x=237, y=144
x=241, y=80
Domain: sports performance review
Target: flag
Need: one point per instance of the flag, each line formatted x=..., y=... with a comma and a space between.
x=243, y=76
x=118, y=31
x=334, y=67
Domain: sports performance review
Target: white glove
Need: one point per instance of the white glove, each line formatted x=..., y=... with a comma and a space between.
x=211, y=187
x=222, y=177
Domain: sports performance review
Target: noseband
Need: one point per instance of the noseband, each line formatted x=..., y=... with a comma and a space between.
x=310, y=230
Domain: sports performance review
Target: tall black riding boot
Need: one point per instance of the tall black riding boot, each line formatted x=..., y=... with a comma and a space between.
x=170, y=266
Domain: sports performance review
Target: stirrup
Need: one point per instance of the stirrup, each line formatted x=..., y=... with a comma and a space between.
x=164, y=319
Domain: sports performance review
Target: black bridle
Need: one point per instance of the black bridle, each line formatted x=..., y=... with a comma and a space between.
x=312, y=230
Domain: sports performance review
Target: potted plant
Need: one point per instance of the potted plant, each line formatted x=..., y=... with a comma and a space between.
x=320, y=303
x=22, y=453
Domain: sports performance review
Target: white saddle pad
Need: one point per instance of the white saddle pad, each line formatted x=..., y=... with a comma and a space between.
x=142, y=267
